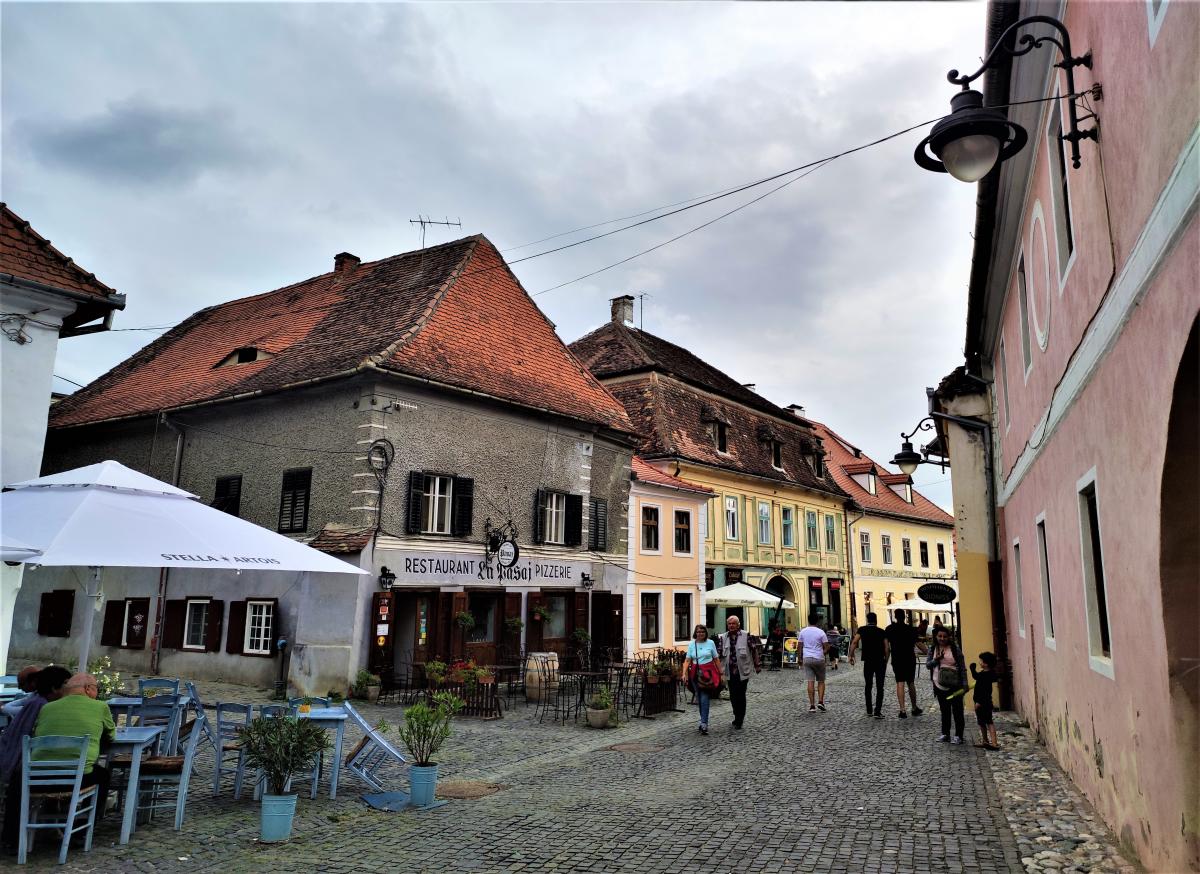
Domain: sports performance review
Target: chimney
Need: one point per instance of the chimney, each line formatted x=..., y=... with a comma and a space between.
x=750, y=385
x=622, y=309
x=796, y=410
x=344, y=261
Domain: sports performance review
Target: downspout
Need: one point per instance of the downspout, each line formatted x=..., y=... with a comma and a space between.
x=850, y=561
x=164, y=573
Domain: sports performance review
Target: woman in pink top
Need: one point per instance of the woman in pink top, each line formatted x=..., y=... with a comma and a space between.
x=948, y=670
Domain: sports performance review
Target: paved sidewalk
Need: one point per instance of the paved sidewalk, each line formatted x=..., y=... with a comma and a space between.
x=793, y=791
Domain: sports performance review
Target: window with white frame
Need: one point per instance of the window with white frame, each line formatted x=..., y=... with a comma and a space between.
x=864, y=546
x=885, y=545
x=1044, y=566
x=941, y=552
x=810, y=530
x=650, y=530
x=830, y=534
x=650, y=605
x=1095, y=597
x=764, y=522
x=683, y=532
x=732, y=530
x=787, y=519
x=924, y=546
x=1017, y=588
x=1060, y=190
x=260, y=622
x=195, y=624
x=1002, y=366
x=436, y=498
x=554, y=517
x=1023, y=305
x=906, y=551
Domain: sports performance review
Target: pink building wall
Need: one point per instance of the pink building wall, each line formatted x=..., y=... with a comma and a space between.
x=1118, y=736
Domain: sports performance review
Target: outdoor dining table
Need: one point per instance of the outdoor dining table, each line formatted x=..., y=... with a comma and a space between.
x=123, y=706
x=327, y=718
x=133, y=741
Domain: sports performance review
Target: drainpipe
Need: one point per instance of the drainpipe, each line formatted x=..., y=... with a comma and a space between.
x=850, y=562
x=164, y=573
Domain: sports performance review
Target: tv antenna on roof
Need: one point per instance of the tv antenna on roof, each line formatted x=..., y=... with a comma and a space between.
x=642, y=295
x=424, y=221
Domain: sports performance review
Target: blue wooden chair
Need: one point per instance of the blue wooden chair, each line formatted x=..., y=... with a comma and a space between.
x=231, y=720
x=319, y=762
x=55, y=780
x=273, y=711
x=163, y=781
x=150, y=687
x=201, y=721
x=165, y=710
x=371, y=754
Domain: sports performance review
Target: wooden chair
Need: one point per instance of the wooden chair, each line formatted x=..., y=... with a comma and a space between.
x=55, y=780
x=371, y=753
x=232, y=719
x=150, y=687
x=163, y=781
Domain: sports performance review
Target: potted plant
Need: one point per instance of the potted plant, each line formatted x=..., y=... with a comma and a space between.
x=281, y=747
x=600, y=708
x=305, y=705
x=366, y=686
x=540, y=613
x=425, y=729
x=514, y=625
x=582, y=637
x=652, y=673
x=435, y=672
x=485, y=677
x=465, y=620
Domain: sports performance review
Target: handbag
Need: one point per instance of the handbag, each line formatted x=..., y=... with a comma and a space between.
x=708, y=677
x=949, y=678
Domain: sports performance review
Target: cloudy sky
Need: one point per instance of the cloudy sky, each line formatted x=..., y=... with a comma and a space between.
x=191, y=154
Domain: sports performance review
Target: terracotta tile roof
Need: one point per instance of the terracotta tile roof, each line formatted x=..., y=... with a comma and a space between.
x=617, y=349
x=340, y=542
x=452, y=314
x=842, y=461
x=645, y=472
x=675, y=421
x=26, y=254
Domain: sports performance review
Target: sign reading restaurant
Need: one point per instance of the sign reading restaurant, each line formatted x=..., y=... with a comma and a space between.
x=458, y=569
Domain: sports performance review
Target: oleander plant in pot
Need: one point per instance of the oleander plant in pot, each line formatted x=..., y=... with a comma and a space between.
x=426, y=727
x=281, y=747
x=600, y=710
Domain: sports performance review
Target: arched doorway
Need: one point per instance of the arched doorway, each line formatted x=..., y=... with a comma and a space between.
x=781, y=586
x=1179, y=556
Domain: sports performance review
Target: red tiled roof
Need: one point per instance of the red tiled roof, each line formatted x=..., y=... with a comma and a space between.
x=646, y=472
x=26, y=254
x=452, y=314
x=340, y=542
x=674, y=420
x=841, y=461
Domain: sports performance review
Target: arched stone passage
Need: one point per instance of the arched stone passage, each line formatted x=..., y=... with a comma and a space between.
x=781, y=585
x=1179, y=557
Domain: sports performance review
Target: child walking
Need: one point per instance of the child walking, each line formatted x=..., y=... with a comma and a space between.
x=984, y=680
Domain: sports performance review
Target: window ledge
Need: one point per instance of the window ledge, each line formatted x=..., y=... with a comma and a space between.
x=1051, y=643
x=1102, y=665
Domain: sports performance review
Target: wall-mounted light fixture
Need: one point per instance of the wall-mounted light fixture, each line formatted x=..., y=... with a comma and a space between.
x=387, y=579
x=586, y=580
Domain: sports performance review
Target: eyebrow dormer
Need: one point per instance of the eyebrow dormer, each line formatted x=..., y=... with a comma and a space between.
x=245, y=355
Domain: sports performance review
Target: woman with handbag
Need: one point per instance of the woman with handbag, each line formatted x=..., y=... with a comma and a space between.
x=948, y=670
x=703, y=671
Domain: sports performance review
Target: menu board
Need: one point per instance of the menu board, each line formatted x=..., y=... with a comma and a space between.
x=791, y=652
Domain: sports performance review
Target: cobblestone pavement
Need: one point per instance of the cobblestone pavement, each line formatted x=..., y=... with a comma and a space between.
x=792, y=791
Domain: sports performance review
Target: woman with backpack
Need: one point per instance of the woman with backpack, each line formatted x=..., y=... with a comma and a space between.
x=702, y=669
x=948, y=670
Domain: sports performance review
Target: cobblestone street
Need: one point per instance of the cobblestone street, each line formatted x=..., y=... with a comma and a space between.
x=793, y=791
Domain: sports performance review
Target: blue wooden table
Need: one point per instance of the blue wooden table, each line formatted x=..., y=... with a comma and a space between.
x=133, y=741
x=327, y=718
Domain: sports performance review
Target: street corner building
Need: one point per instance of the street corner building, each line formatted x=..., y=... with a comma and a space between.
x=1073, y=424
x=400, y=414
x=777, y=519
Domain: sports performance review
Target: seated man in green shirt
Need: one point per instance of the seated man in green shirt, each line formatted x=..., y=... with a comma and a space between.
x=75, y=714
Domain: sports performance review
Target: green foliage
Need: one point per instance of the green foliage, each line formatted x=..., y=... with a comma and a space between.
x=282, y=746
x=465, y=620
x=361, y=681
x=514, y=624
x=108, y=681
x=602, y=699
x=540, y=612
x=426, y=727
x=582, y=637
x=435, y=671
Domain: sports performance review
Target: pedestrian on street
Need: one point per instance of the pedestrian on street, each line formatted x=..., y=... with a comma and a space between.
x=741, y=654
x=875, y=655
x=902, y=638
x=775, y=644
x=948, y=670
x=984, y=680
x=935, y=628
x=835, y=639
x=701, y=651
x=815, y=643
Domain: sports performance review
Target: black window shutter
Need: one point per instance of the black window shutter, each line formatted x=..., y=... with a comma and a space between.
x=463, y=507
x=573, y=536
x=212, y=634
x=139, y=623
x=56, y=613
x=539, y=501
x=598, y=525
x=416, y=488
x=235, y=634
x=114, y=623
x=228, y=494
x=293, y=500
x=174, y=617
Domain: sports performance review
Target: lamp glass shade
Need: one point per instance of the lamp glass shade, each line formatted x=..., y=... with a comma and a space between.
x=969, y=158
x=908, y=467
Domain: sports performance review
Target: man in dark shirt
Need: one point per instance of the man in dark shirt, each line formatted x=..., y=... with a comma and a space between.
x=874, y=656
x=902, y=638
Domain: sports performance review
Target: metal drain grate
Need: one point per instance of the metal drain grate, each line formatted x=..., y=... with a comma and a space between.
x=635, y=747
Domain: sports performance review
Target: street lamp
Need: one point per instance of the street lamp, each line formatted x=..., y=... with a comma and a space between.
x=970, y=141
x=585, y=579
x=387, y=579
x=908, y=459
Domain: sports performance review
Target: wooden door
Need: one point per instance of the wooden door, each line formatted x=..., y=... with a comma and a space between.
x=423, y=626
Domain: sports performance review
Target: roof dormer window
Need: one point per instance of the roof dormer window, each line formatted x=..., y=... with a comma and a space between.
x=777, y=454
x=245, y=355
x=721, y=436
x=871, y=483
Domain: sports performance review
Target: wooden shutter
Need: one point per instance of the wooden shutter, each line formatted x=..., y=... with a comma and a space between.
x=539, y=503
x=581, y=610
x=534, y=628
x=235, y=628
x=56, y=613
x=212, y=633
x=114, y=622
x=445, y=624
x=293, y=500
x=598, y=525
x=512, y=610
x=174, y=618
x=139, y=621
x=416, y=488
x=228, y=494
x=573, y=533
x=463, y=507
x=458, y=605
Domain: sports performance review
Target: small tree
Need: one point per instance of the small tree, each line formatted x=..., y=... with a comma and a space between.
x=426, y=727
x=282, y=747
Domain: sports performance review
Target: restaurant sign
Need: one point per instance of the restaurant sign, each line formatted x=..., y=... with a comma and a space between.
x=463, y=569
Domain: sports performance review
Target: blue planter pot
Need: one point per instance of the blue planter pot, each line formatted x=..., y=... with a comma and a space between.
x=422, y=781
x=277, y=814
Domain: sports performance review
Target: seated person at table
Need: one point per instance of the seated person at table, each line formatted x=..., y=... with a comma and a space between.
x=47, y=687
x=26, y=682
x=75, y=714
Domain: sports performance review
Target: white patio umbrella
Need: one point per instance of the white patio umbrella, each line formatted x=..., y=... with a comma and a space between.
x=12, y=549
x=106, y=515
x=744, y=595
x=922, y=606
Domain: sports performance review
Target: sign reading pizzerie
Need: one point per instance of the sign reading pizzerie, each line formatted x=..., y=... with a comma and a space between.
x=439, y=568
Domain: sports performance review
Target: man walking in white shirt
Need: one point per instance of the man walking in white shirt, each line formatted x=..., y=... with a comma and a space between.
x=816, y=644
